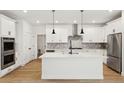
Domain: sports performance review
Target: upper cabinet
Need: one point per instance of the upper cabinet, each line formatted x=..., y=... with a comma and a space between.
x=92, y=34
x=7, y=26
x=61, y=35
x=113, y=27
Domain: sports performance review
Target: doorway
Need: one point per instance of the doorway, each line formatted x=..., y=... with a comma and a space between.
x=41, y=44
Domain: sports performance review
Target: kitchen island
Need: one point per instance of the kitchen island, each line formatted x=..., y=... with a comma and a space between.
x=72, y=66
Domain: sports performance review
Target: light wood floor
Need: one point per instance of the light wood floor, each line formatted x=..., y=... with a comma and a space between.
x=31, y=72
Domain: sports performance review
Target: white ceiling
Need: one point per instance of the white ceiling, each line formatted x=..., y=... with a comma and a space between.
x=64, y=16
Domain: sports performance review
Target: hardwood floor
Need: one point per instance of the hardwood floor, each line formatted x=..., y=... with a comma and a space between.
x=31, y=72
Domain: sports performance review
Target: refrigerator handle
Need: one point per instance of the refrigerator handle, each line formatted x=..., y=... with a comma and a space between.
x=107, y=46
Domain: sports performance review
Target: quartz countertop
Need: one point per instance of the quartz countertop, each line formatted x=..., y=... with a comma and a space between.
x=85, y=54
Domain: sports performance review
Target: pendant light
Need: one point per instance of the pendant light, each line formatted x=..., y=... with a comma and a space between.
x=53, y=32
x=82, y=31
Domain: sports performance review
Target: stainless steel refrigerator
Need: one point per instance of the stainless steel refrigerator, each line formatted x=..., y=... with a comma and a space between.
x=114, y=52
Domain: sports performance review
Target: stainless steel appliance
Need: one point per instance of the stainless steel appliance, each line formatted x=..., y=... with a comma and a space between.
x=75, y=39
x=114, y=51
x=7, y=52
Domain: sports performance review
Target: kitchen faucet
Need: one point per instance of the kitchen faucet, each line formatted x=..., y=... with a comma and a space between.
x=70, y=47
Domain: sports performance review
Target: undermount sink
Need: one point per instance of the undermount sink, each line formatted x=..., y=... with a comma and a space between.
x=73, y=53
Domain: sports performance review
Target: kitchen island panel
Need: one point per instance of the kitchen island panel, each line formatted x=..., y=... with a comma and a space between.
x=72, y=68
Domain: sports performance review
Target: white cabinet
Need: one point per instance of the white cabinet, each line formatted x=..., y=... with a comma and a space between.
x=7, y=26
x=28, y=46
x=7, y=29
x=113, y=27
x=50, y=38
x=25, y=42
x=63, y=34
x=60, y=36
x=93, y=35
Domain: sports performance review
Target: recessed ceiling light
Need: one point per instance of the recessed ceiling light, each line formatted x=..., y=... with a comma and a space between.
x=25, y=11
x=37, y=21
x=56, y=21
x=93, y=21
x=74, y=21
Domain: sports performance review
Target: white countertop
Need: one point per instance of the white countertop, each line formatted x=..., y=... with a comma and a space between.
x=85, y=54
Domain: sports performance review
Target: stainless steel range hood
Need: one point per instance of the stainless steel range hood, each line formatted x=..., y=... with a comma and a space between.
x=75, y=32
x=75, y=39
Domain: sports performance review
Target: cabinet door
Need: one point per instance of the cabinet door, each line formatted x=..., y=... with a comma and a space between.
x=11, y=28
x=60, y=36
x=52, y=38
x=88, y=36
x=57, y=36
x=7, y=28
x=27, y=47
x=4, y=27
x=48, y=35
x=93, y=34
x=63, y=35
x=98, y=35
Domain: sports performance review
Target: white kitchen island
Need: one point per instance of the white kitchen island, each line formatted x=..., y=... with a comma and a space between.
x=72, y=66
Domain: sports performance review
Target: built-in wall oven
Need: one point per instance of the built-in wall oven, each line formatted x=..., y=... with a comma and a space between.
x=7, y=52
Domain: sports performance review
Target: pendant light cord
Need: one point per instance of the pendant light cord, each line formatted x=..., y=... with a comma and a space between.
x=53, y=18
x=81, y=19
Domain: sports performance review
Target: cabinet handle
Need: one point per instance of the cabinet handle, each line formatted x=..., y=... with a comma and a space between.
x=29, y=48
x=9, y=33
